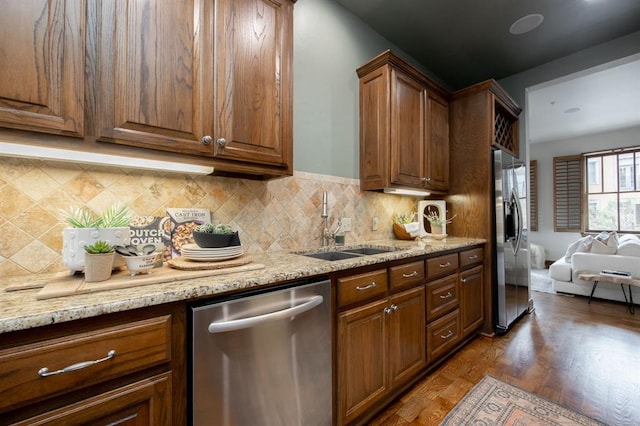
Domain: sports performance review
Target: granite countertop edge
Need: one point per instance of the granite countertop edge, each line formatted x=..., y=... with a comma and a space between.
x=21, y=310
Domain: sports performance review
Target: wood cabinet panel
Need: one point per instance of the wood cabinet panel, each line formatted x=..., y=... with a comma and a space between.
x=471, y=299
x=471, y=257
x=407, y=275
x=407, y=335
x=408, y=139
x=437, y=146
x=136, y=346
x=253, y=91
x=362, y=359
x=42, y=66
x=155, y=74
x=442, y=335
x=442, y=296
x=442, y=265
x=143, y=403
x=361, y=287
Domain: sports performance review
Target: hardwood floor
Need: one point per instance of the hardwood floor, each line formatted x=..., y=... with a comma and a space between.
x=585, y=357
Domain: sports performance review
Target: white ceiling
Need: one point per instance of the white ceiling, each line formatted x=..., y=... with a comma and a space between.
x=608, y=97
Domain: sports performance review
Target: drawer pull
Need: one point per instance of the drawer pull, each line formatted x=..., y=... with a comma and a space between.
x=367, y=287
x=413, y=274
x=474, y=257
x=44, y=371
x=446, y=336
x=445, y=265
x=446, y=296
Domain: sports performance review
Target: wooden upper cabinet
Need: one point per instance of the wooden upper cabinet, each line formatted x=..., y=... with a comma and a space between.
x=437, y=155
x=253, y=92
x=404, y=133
x=155, y=74
x=42, y=66
x=199, y=77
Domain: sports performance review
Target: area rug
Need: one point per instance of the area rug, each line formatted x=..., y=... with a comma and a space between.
x=493, y=402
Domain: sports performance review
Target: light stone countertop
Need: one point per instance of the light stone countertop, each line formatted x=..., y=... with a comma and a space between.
x=21, y=310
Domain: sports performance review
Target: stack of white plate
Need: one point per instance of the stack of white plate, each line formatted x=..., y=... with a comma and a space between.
x=197, y=253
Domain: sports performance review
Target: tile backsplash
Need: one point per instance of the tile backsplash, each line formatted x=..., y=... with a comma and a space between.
x=279, y=214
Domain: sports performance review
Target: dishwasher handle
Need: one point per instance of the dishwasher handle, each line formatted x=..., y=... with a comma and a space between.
x=239, y=324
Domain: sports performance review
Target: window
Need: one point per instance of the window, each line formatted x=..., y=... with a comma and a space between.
x=613, y=191
x=567, y=193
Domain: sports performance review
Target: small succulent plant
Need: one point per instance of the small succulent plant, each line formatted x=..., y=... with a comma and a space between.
x=214, y=229
x=115, y=216
x=435, y=218
x=404, y=218
x=99, y=247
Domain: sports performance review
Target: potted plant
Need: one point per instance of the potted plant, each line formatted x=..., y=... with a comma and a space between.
x=210, y=236
x=86, y=228
x=98, y=261
x=437, y=221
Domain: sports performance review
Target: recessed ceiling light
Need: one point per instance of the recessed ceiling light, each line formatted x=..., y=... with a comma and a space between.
x=526, y=24
x=572, y=110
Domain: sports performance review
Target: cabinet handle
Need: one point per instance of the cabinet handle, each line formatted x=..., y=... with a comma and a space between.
x=206, y=140
x=446, y=336
x=474, y=257
x=413, y=274
x=44, y=371
x=221, y=142
x=445, y=265
x=464, y=280
x=426, y=179
x=446, y=296
x=366, y=287
x=394, y=307
x=387, y=311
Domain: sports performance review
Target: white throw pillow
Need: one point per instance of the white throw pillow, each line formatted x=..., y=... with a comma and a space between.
x=601, y=248
x=627, y=237
x=581, y=246
x=629, y=248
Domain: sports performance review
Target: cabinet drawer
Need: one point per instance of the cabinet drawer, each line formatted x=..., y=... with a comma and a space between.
x=471, y=257
x=442, y=296
x=83, y=359
x=405, y=276
x=442, y=335
x=442, y=265
x=357, y=288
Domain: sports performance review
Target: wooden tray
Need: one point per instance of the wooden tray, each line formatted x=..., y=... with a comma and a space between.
x=193, y=265
x=67, y=285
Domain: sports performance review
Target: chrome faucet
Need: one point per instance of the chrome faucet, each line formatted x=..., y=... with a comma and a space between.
x=327, y=235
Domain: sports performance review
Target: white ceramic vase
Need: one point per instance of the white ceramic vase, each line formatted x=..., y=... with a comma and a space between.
x=74, y=240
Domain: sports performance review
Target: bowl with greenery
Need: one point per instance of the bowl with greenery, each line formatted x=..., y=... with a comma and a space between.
x=214, y=236
x=86, y=228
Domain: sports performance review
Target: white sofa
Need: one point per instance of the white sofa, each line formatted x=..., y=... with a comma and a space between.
x=622, y=255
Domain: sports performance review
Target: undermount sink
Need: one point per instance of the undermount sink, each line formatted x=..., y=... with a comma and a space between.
x=346, y=253
x=331, y=255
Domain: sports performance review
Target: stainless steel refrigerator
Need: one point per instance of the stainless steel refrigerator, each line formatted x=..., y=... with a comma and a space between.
x=512, y=270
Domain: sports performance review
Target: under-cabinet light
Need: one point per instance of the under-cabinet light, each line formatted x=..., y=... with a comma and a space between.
x=45, y=153
x=403, y=191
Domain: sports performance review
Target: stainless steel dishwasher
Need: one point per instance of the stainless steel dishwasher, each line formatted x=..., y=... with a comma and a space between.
x=263, y=359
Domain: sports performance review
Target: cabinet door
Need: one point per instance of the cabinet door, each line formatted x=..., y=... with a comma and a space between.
x=42, y=66
x=362, y=359
x=155, y=74
x=253, y=60
x=437, y=147
x=407, y=335
x=144, y=403
x=471, y=299
x=407, y=129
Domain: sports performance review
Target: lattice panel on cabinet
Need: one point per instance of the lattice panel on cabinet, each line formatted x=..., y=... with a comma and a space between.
x=504, y=136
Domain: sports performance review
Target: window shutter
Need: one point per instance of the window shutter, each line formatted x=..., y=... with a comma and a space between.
x=567, y=195
x=533, y=195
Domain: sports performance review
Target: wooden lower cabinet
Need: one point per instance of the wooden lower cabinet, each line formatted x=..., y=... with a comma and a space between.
x=471, y=306
x=147, y=402
x=381, y=345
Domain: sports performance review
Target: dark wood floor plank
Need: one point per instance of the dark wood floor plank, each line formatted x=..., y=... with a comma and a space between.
x=585, y=357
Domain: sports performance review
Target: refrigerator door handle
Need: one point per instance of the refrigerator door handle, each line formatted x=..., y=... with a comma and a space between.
x=516, y=203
